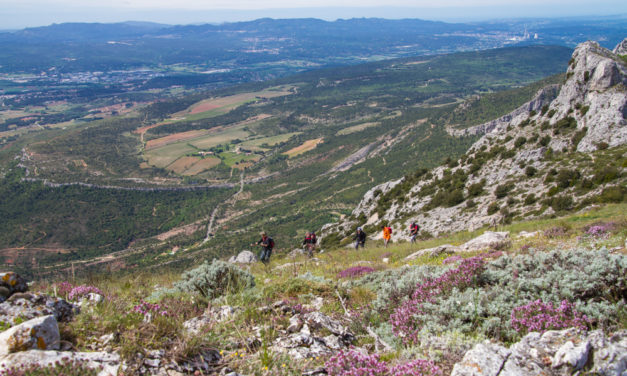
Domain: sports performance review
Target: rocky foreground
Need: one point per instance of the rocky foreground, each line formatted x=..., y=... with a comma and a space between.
x=559, y=311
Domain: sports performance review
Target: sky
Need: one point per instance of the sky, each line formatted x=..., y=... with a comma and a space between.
x=17, y=14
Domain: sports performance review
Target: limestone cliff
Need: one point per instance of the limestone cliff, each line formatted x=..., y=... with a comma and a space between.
x=562, y=150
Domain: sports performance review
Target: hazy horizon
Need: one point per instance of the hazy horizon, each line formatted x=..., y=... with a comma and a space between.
x=42, y=13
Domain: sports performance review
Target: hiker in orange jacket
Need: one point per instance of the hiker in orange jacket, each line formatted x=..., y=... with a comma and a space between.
x=387, y=235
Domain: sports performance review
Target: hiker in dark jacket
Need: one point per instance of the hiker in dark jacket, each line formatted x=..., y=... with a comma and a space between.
x=359, y=238
x=310, y=243
x=267, y=244
x=413, y=231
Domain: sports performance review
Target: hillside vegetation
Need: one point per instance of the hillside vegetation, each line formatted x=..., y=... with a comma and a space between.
x=253, y=140
x=253, y=328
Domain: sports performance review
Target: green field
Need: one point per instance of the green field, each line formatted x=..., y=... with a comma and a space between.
x=357, y=128
x=270, y=141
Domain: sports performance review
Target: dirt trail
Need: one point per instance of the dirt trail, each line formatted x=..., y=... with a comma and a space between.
x=214, y=213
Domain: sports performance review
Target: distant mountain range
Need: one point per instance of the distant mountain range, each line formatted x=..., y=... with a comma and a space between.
x=300, y=43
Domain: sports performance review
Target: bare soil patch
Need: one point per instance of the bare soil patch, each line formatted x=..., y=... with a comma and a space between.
x=305, y=147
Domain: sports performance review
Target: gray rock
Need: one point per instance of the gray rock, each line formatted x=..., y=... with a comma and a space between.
x=621, y=48
x=26, y=306
x=110, y=362
x=41, y=333
x=244, y=257
x=152, y=363
x=214, y=314
x=13, y=282
x=574, y=357
x=485, y=359
x=554, y=353
x=318, y=320
x=488, y=240
x=296, y=324
x=433, y=252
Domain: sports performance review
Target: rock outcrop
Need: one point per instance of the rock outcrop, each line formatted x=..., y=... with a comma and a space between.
x=41, y=333
x=504, y=174
x=597, y=80
x=244, y=257
x=10, y=283
x=553, y=353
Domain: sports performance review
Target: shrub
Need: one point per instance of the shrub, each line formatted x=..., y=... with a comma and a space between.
x=354, y=363
x=606, y=174
x=82, y=291
x=556, y=232
x=406, y=320
x=150, y=309
x=538, y=316
x=595, y=279
x=602, y=145
x=530, y=199
x=520, y=141
x=476, y=189
x=493, y=208
x=215, y=279
x=544, y=141
x=599, y=229
x=560, y=203
x=530, y=171
x=612, y=194
x=567, y=178
x=354, y=271
x=503, y=189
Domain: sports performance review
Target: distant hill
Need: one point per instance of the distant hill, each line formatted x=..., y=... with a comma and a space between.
x=73, y=47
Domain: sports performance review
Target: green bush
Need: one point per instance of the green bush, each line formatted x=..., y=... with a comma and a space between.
x=476, y=189
x=503, y=189
x=544, y=141
x=215, y=279
x=493, y=208
x=612, y=194
x=606, y=174
x=530, y=171
x=560, y=203
x=567, y=178
x=530, y=199
x=520, y=141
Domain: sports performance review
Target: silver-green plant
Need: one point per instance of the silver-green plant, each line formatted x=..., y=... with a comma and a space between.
x=215, y=279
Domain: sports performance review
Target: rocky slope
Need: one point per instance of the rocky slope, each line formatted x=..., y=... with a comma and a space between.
x=562, y=150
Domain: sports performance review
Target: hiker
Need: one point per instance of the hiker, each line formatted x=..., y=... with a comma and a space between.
x=267, y=244
x=413, y=231
x=360, y=238
x=387, y=235
x=310, y=243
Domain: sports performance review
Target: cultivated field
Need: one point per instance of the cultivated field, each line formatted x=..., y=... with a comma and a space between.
x=356, y=128
x=202, y=165
x=217, y=106
x=164, y=156
x=305, y=147
x=270, y=141
x=174, y=138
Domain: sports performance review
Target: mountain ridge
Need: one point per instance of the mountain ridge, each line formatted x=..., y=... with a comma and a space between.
x=523, y=165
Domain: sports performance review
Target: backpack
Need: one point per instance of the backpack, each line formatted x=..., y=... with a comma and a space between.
x=415, y=226
x=313, y=238
x=390, y=229
x=270, y=243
